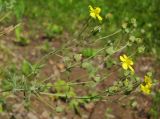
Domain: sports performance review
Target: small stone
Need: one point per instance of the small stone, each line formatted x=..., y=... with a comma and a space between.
x=45, y=115
x=61, y=66
x=89, y=106
x=31, y=116
x=33, y=53
x=56, y=117
x=1, y=57
x=51, y=62
x=64, y=118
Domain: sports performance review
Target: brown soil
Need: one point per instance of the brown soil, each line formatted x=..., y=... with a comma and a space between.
x=121, y=109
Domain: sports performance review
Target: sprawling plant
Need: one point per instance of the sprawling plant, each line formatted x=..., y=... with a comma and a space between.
x=94, y=54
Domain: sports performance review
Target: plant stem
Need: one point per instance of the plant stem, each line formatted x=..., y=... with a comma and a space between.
x=110, y=35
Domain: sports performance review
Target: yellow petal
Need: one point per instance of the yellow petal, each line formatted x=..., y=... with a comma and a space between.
x=99, y=17
x=122, y=59
x=145, y=89
x=147, y=79
x=131, y=62
x=93, y=15
x=98, y=10
x=142, y=87
x=131, y=68
x=125, y=57
x=91, y=8
x=149, y=85
x=125, y=66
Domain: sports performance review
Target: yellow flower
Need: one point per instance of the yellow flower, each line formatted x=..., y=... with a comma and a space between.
x=126, y=63
x=148, y=80
x=94, y=12
x=146, y=89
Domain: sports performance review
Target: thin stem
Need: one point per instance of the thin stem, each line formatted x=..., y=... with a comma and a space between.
x=87, y=58
x=110, y=35
x=42, y=100
x=84, y=27
x=3, y=33
x=5, y=16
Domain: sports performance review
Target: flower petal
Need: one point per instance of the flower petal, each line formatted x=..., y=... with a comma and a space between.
x=149, y=85
x=98, y=10
x=147, y=79
x=90, y=7
x=131, y=68
x=145, y=89
x=122, y=58
x=125, y=57
x=125, y=66
x=99, y=17
x=142, y=87
x=93, y=15
x=131, y=62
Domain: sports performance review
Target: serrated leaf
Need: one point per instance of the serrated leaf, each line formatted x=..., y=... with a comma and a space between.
x=78, y=57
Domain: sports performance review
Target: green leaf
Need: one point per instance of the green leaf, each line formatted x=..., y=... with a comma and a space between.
x=149, y=74
x=110, y=50
x=110, y=62
x=97, y=78
x=46, y=47
x=1, y=108
x=53, y=30
x=61, y=86
x=96, y=30
x=20, y=39
x=126, y=73
x=19, y=9
x=132, y=38
x=26, y=68
x=18, y=31
x=88, y=52
x=36, y=68
x=74, y=104
x=141, y=49
x=134, y=22
x=78, y=57
x=90, y=68
x=59, y=109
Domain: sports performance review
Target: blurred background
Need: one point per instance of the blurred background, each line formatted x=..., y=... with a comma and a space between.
x=71, y=14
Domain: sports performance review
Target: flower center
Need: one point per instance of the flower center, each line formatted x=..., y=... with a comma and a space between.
x=96, y=11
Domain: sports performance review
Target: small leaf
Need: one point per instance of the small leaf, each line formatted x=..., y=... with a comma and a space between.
x=97, y=78
x=96, y=30
x=126, y=73
x=88, y=52
x=26, y=68
x=59, y=109
x=141, y=49
x=86, y=64
x=61, y=86
x=110, y=50
x=110, y=62
x=132, y=38
x=78, y=57
x=1, y=108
